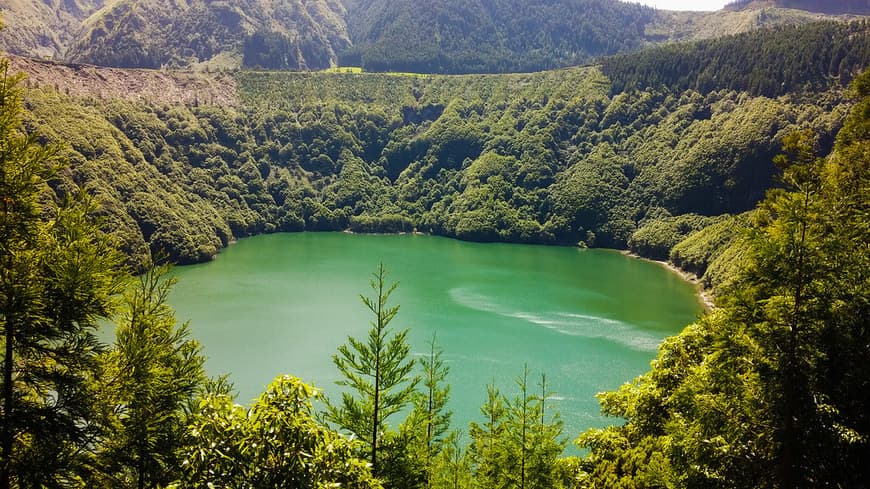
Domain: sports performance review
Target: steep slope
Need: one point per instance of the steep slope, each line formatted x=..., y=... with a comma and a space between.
x=439, y=36
x=479, y=36
x=549, y=157
x=280, y=34
x=684, y=26
x=449, y=36
x=42, y=28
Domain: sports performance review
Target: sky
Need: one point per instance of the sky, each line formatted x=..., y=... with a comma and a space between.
x=684, y=4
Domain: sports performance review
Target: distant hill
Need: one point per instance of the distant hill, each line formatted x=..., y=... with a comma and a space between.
x=832, y=7
x=280, y=34
x=451, y=36
x=460, y=36
x=433, y=36
x=43, y=28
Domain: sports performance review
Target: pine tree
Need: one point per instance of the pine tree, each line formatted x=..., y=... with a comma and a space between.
x=452, y=466
x=431, y=406
x=378, y=372
x=486, y=450
x=154, y=372
x=58, y=276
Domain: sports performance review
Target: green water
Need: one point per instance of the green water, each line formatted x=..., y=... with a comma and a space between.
x=283, y=303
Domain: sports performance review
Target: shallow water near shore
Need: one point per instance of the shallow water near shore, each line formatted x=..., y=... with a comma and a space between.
x=283, y=303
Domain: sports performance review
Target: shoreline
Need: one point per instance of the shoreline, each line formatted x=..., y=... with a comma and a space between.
x=703, y=295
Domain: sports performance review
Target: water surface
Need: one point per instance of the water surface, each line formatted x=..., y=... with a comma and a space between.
x=283, y=303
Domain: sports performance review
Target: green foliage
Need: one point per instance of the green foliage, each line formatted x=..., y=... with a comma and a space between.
x=546, y=157
x=429, y=420
x=756, y=394
x=783, y=59
x=655, y=238
x=700, y=248
x=518, y=444
x=151, y=376
x=58, y=277
x=452, y=467
x=489, y=37
x=276, y=443
x=378, y=371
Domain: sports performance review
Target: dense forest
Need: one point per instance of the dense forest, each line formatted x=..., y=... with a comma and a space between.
x=784, y=59
x=769, y=390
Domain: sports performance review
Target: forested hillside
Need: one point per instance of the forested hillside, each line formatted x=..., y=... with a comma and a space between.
x=553, y=157
x=743, y=160
x=784, y=60
x=443, y=36
x=288, y=34
x=771, y=389
x=43, y=29
x=461, y=36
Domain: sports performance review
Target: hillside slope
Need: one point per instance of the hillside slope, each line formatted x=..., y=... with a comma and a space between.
x=549, y=157
x=43, y=29
x=450, y=36
x=485, y=36
x=834, y=7
x=439, y=36
x=281, y=34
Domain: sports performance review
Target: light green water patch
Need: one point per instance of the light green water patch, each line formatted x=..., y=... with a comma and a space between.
x=283, y=303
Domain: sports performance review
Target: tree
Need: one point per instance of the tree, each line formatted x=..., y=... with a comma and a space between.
x=771, y=388
x=58, y=276
x=378, y=371
x=276, y=444
x=518, y=446
x=154, y=371
x=451, y=466
x=432, y=405
x=547, y=442
x=486, y=452
x=423, y=432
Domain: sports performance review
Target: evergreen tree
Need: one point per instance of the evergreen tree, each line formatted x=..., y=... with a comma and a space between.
x=58, y=276
x=451, y=467
x=771, y=389
x=431, y=406
x=154, y=371
x=378, y=371
x=519, y=445
x=486, y=450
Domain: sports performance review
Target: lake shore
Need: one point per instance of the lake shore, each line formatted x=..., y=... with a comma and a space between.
x=704, y=296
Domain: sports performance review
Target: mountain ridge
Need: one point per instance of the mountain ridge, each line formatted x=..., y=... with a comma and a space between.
x=443, y=36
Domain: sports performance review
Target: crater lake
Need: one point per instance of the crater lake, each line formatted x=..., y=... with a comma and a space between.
x=590, y=320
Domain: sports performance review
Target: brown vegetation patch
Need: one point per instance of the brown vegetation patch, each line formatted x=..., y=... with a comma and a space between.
x=156, y=86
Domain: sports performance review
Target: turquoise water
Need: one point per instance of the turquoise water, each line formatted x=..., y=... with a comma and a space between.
x=283, y=303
